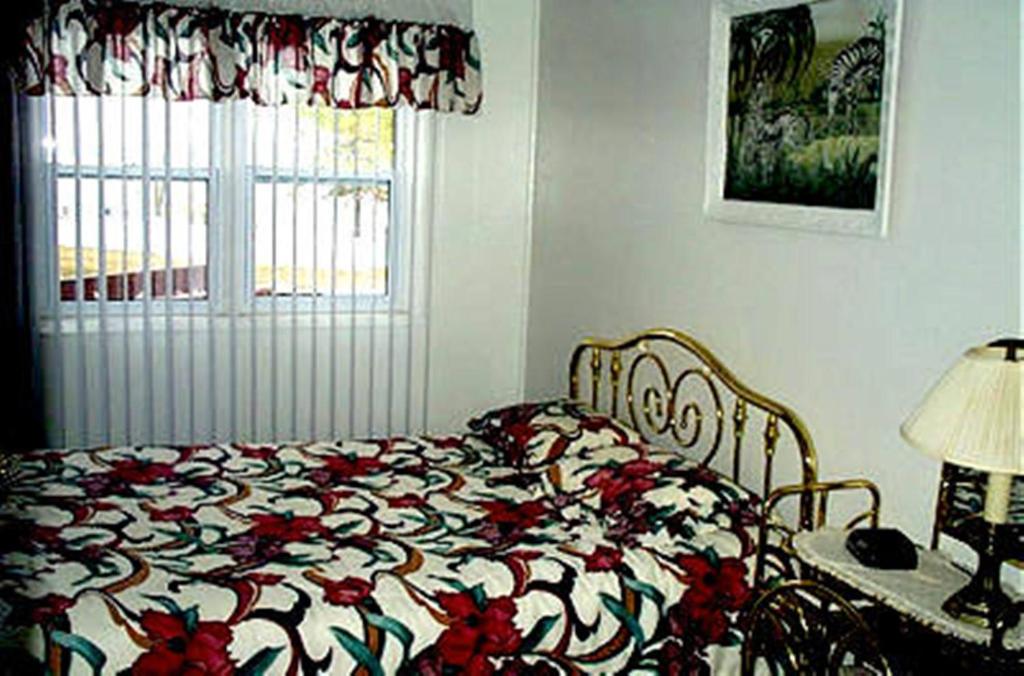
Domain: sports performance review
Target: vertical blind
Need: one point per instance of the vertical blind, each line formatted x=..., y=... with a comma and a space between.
x=225, y=271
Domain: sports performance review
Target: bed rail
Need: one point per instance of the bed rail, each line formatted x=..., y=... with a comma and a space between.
x=675, y=392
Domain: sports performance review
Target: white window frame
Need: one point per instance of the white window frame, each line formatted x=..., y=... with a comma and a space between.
x=230, y=241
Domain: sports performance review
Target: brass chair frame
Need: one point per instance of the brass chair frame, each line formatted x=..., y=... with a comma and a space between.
x=813, y=631
x=804, y=606
x=816, y=494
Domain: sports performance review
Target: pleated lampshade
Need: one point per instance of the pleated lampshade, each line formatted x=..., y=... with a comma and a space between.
x=972, y=416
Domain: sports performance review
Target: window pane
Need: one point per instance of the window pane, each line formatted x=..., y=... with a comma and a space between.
x=123, y=230
x=190, y=128
x=363, y=140
x=361, y=234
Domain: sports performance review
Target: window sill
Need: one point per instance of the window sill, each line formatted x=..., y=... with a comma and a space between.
x=201, y=322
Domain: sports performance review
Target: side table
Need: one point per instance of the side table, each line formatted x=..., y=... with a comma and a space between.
x=916, y=596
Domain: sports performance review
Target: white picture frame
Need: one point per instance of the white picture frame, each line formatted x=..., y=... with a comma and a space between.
x=818, y=177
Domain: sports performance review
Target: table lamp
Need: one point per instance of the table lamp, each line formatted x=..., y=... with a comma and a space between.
x=972, y=418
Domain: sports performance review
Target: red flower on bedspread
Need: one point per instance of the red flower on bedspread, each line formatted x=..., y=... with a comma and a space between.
x=47, y=536
x=262, y=453
x=507, y=521
x=603, y=558
x=723, y=582
x=706, y=624
x=142, y=472
x=285, y=527
x=518, y=514
x=480, y=629
x=124, y=474
x=715, y=588
x=623, y=485
x=269, y=533
x=624, y=524
x=682, y=658
x=405, y=500
x=339, y=468
x=247, y=548
x=183, y=645
x=350, y=591
x=179, y=513
x=49, y=607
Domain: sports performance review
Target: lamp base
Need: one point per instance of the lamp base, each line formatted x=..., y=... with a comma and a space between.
x=977, y=605
x=982, y=600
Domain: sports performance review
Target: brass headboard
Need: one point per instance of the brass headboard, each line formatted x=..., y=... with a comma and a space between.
x=674, y=391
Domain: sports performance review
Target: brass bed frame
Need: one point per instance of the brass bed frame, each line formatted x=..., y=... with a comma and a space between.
x=673, y=390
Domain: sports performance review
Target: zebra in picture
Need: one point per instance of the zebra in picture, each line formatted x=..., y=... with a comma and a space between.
x=769, y=134
x=856, y=74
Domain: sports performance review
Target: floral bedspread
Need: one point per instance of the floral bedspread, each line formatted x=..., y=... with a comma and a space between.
x=410, y=555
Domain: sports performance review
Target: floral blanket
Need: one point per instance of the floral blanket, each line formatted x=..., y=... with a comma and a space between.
x=409, y=555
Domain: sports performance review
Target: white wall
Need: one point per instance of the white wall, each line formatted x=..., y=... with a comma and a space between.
x=484, y=220
x=477, y=313
x=850, y=332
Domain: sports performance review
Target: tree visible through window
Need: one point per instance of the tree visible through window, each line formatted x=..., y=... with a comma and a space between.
x=322, y=198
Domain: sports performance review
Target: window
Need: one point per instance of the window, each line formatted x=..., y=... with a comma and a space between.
x=320, y=168
x=118, y=198
x=150, y=196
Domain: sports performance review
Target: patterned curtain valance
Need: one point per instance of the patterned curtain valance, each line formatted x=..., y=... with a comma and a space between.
x=180, y=53
x=448, y=12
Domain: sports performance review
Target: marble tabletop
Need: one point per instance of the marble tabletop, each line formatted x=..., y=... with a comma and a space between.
x=917, y=593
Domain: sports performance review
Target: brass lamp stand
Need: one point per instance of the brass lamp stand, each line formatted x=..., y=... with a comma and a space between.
x=982, y=600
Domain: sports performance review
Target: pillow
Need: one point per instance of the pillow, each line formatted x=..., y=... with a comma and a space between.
x=641, y=490
x=537, y=433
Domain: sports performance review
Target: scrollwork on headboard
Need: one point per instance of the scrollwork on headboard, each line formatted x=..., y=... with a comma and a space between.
x=674, y=391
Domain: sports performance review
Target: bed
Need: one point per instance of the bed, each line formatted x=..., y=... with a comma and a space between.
x=608, y=532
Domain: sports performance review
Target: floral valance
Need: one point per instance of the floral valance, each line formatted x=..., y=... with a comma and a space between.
x=100, y=47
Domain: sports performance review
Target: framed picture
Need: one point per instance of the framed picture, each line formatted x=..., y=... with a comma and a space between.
x=800, y=113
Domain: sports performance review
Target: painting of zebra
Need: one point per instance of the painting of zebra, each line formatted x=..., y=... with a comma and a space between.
x=806, y=100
